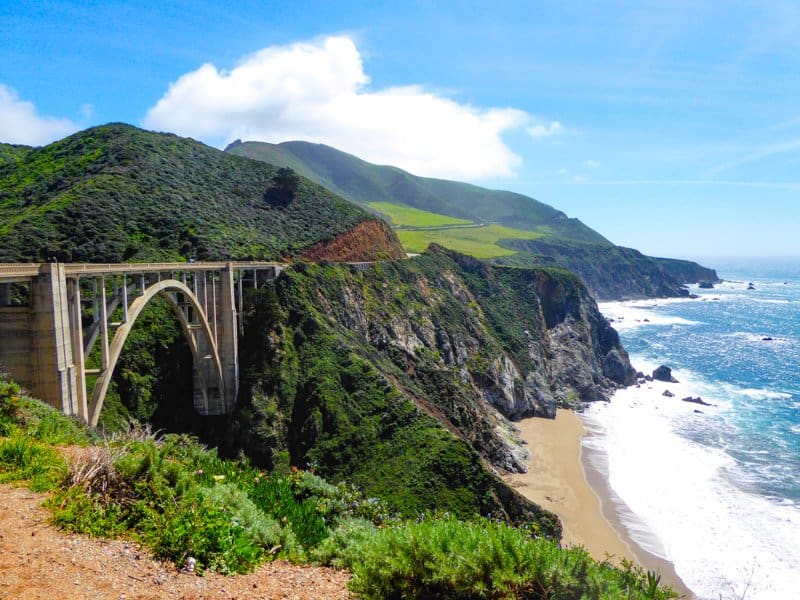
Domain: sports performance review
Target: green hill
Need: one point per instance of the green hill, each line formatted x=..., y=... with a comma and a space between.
x=500, y=226
x=364, y=183
x=118, y=193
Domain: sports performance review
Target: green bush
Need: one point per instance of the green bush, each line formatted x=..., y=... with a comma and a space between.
x=19, y=413
x=344, y=547
x=445, y=558
x=22, y=458
x=197, y=527
x=262, y=530
x=274, y=495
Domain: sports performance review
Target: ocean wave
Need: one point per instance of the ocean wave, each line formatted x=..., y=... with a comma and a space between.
x=758, y=337
x=759, y=394
x=628, y=315
x=679, y=492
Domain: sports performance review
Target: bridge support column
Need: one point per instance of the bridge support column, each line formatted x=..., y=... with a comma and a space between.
x=54, y=378
x=228, y=335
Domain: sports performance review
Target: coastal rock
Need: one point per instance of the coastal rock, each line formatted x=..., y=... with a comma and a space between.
x=617, y=368
x=668, y=394
x=750, y=286
x=697, y=400
x=706, y=285
x=664, y=373
x=767, y=339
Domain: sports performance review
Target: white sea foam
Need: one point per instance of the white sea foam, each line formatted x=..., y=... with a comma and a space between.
x=686, y=508
x=760, y=394
x=637, y=313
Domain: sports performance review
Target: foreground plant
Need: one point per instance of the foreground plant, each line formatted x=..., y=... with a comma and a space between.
x=185, y=502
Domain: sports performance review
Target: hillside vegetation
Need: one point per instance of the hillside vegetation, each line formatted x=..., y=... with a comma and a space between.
x=354, y=372
x=518, y=229
x=116, y=193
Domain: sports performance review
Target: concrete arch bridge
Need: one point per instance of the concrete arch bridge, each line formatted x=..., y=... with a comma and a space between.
x=46, y=340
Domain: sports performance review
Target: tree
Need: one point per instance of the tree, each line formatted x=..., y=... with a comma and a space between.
x=284, y=187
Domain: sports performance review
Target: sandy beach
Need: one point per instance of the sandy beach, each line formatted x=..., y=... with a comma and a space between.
x=557, y=480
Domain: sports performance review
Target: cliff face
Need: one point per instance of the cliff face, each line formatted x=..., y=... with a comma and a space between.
x=405, y=377
x=612, y=272
x=367, y=241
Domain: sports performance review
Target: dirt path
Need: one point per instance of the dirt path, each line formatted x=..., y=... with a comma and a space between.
x=38, y=561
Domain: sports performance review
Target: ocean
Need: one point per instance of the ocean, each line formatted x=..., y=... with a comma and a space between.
x=713, y=489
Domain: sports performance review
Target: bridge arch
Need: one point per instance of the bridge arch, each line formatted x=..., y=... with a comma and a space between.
x=167, y=289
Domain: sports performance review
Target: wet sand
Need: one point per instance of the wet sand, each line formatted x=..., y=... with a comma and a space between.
x=590, y=514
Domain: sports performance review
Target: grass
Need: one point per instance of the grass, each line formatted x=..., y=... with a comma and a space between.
x=407, y=216
x=480, y=242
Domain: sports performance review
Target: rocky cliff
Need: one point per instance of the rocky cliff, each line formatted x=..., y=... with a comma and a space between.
x=406, y=377
x=611, y=272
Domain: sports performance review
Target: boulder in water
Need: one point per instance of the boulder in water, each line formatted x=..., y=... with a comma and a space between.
x=664, y=373
x=697, y=400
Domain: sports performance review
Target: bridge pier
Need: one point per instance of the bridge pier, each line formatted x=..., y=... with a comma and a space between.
x=228, y=336
x=55, y=378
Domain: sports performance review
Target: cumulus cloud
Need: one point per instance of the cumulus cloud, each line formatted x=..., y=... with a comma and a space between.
x=544, y=130
x=21, y=124
x=318, y=91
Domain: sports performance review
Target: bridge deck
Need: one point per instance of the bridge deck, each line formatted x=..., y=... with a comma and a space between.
x=16, y=272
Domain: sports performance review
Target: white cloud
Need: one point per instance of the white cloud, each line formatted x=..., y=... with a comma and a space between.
x=543, y=130
x=591, y=164
x=20, y=123
x=318, y=91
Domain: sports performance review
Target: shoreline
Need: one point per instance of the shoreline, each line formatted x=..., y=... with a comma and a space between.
x=561, y=479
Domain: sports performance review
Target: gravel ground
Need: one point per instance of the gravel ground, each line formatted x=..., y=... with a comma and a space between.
x=41, y=562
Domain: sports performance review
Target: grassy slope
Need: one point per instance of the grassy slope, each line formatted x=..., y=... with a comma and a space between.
x=407, y=216
x=419, y=228
x=480, y=242
x=117, y=193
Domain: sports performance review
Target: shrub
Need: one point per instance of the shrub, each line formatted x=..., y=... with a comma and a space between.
x=198, y=528
x=25, y=459
x=35, y=418
x=445, y=558
x=274, y=495
x=344, y=547
x=264, y=531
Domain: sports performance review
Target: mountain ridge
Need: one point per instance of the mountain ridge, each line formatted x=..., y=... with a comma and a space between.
x=610, y=272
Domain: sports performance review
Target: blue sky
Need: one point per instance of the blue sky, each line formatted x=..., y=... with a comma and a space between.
x=671, y=127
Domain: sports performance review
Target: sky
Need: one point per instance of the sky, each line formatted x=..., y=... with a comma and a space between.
x=671, y=127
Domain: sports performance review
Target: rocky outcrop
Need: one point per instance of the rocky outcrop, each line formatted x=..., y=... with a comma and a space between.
x=664, y=373
x=368, y=241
